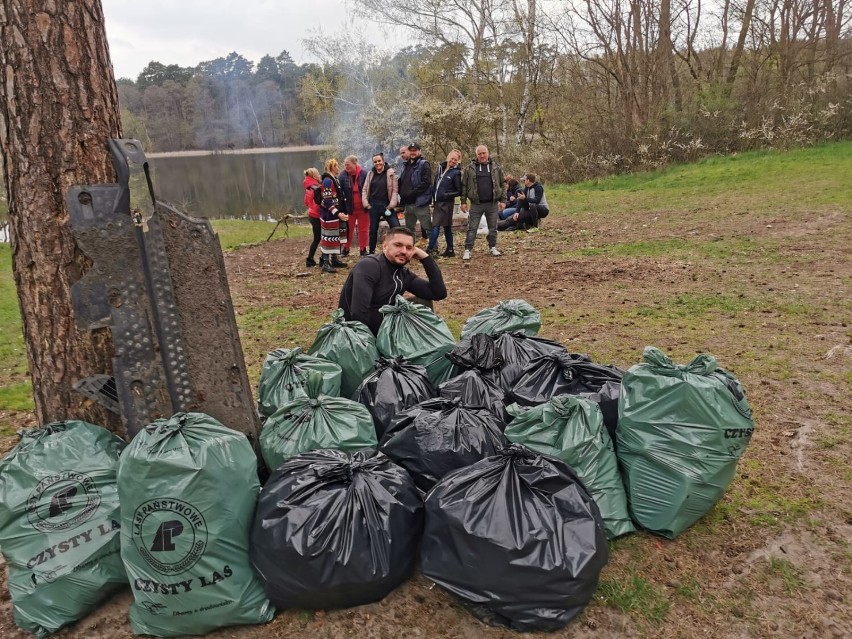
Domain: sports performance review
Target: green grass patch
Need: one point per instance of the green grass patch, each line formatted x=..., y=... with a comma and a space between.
x=815, y=177
x=17, y=397
x=13, y=359
x=236, y=233
x=721, y=249
x=838, y=431
x=696, y=305
x=635, y=595
x=787, y=572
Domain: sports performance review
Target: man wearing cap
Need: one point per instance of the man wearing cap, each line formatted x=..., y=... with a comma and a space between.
x=415, y=192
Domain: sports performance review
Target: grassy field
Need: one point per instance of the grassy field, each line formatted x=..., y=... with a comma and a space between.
x=745, y=257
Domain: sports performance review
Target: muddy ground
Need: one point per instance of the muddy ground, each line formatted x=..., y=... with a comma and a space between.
x=768, y=295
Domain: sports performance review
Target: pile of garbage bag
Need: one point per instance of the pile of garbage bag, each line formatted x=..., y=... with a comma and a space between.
x=502, y=451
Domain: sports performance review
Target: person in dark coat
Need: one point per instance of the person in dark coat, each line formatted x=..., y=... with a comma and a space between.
x=376, y=280
x=446, y=188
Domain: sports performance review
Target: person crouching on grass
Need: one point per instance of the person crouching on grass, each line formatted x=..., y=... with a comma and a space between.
x=376, y=280
x=332, y=214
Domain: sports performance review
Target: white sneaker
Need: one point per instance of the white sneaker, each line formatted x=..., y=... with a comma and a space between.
x=495, y=252
x=466, y=255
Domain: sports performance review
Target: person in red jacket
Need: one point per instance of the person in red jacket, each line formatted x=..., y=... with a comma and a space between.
x=351, y=180
x=312, y=184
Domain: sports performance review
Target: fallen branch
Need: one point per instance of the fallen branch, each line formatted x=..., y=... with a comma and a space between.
x=286, y=220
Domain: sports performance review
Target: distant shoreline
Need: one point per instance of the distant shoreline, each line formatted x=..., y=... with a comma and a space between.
x=276, y=149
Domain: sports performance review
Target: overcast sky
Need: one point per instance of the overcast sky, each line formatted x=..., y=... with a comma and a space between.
x=186, y=32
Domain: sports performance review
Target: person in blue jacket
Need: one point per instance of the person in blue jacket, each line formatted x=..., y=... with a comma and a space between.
x=446, y=189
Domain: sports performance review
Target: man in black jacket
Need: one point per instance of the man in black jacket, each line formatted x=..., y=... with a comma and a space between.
x=415, y=191
x=376, y=280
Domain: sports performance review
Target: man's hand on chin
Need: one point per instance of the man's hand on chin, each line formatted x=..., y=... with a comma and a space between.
x=419, y=254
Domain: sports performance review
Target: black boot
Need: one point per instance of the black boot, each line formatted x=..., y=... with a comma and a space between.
x=310, y=262
x=327, y=267
x=338, y=263
x=448, y=253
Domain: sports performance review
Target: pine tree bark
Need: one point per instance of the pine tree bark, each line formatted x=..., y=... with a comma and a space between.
x=58, y=105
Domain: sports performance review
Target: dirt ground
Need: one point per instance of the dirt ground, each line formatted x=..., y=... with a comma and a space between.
x=768, y=296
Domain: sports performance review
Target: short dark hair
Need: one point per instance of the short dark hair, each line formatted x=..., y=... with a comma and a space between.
x=530, y=177
x=399, y=230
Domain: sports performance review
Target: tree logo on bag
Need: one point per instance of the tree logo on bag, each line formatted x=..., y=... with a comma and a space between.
x=170, y=534
x=62, y=501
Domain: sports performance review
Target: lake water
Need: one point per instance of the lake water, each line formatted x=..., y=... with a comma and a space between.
x=235, y=185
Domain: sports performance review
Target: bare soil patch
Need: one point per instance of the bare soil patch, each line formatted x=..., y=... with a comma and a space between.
x=773, y=559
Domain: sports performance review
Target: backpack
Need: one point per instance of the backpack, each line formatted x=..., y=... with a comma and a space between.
x=317, y=194
x=341, y=196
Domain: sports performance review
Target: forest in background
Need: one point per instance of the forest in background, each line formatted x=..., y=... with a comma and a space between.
x=572, y=89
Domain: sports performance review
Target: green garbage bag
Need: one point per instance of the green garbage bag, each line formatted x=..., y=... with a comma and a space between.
x=681, y=430
x=316, y=421
x=509, y=315
x=572, y=429
x=351, y=346
x=59, y=523
x=188, y=487
x=285, y=373
x=414, y=332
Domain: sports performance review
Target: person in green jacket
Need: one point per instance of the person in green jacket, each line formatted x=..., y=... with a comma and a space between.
x=482, y=184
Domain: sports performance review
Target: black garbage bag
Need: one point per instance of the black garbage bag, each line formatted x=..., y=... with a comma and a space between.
x=517, y=349
x=518, y=537
x=607, y=399
x=335, y=529
x=439, y=436
x=560, y=374
x=477, y=352
x=395, y=385
x=472, y=388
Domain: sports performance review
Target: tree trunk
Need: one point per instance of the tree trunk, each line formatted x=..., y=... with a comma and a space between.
x=738, y=50
x=58, y=105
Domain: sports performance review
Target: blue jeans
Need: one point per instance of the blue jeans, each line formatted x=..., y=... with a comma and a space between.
x=377, y=214
x=507, y=213
x=433, y=238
